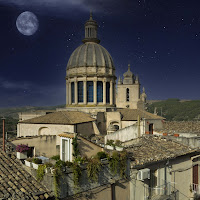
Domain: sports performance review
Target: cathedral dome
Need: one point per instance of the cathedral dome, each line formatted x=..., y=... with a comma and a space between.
x=92, y=55
x=90, y=74
x=90, y=58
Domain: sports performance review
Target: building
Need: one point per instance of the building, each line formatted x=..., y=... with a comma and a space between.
x=163, y=169
x=98, y=110
x=91, y=88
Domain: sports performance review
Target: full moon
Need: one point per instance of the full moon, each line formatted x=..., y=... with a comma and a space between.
x=27, y=23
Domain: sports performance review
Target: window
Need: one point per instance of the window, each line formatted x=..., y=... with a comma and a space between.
x=72, y=92
x=90, y=91
x=127, y=94
x=99, y=91
x=107, y=92
x=80, y=91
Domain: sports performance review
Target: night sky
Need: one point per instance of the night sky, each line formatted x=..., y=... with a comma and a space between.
x=159, y=38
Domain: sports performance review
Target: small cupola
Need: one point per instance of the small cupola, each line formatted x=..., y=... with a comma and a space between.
x=91, y=27
x=128, y=76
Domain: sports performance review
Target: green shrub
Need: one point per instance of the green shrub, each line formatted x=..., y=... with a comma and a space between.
x=93, y=168
x=110, y=142
x=68, y=164
x=114, y=162
x=102, y=155
x=75, y=146
x=37, y=161
x=57, y=157
x=77, y=173
x=118, y=143
x=60, y=163
x=48, y=164
x=40, y=172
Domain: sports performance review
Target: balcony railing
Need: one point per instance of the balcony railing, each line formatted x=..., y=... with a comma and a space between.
x=165, y=190
x=195, y=188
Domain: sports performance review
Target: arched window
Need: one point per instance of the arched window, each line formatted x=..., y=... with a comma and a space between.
x=107, y=92
x=89, y=91
x=72, y=92
x=80, y=91
x=127, y=94
x=99, y=91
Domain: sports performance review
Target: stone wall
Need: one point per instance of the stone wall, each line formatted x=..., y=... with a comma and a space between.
x=24, y=130
x=124, y=134
x=43, y=145
x=97, y=190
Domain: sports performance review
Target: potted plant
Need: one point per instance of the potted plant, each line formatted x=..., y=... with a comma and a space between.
x=28, y=162
x=118, y=146
x=110, y=144
x=22, y=151
x=36, y=162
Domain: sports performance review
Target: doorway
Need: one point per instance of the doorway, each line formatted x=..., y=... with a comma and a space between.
x=150, y=128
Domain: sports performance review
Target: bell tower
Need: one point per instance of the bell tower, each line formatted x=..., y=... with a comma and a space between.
x=128, y=91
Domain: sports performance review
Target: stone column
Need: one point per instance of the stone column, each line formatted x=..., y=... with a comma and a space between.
x=104, y=92
x=95, y=91
x=85, y=92
x=111, y=92
x=76, y=91
x=70, y=93
x=67, y=93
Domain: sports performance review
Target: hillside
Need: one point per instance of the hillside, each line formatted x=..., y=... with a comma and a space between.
x=171, y=109
x=13, y=111
x=11, y=115
x=176, y=110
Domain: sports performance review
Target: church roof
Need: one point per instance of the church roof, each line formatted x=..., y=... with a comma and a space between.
x=61, y=117
x=132, y=114
x=16, y=183
x=90, y=54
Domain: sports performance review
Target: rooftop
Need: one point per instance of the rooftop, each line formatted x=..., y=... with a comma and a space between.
x=149, y=149
x=16, y=183
x=132, y=114
x=181, y=127
x=61, y=117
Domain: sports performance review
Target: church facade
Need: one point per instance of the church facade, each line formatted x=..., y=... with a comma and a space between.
x=91, y=88
x=91, y=80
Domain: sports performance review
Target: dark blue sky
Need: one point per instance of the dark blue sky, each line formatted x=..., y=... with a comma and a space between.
x=159, y=38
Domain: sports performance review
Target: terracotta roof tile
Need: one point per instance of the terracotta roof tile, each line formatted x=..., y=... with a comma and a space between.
x=132, y=114
x=61, y=117
x=67, y=135
x=148, y=149
x=15, y=182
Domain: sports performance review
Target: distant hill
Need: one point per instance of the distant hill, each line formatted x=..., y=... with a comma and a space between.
x=13, y=111
x=176, y=109
x=171, y=109
x=11, y=115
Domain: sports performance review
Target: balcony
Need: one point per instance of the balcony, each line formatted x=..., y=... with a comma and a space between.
x=195, y=189
x=162, y=192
